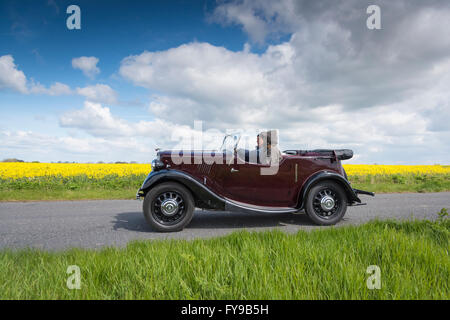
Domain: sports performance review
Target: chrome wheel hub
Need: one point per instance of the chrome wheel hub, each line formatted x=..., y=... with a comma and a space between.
x=169, y=207
x=327, y=203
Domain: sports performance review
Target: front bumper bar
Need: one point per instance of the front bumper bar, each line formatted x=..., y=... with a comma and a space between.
x=139, y=194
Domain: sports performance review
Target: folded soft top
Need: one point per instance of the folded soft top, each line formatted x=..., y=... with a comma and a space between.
x=341, y=154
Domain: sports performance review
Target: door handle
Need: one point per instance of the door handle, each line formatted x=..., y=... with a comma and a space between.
x=234, y=170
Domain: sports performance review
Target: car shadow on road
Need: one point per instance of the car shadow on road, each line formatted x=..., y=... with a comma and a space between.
x=131, y=221
x=135, y=221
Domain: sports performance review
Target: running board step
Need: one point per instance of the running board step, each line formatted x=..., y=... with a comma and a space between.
x=231, y=205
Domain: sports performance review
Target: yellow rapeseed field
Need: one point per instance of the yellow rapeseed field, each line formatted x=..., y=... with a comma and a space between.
x=29, y=170
x=363, y=169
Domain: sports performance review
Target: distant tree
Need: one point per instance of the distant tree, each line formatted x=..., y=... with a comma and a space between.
x=120, y=162
x=100, y=162
x=12, y=160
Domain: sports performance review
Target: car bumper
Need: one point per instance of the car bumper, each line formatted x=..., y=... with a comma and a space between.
x=140, y=194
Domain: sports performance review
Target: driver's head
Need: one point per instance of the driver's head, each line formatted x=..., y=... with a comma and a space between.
x=259, y=140
x=267, y=137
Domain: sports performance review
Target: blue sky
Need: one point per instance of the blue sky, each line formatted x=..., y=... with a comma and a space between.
x=312, y=70
x=35, y=34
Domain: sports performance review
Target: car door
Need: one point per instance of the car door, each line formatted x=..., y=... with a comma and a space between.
x=244, y=182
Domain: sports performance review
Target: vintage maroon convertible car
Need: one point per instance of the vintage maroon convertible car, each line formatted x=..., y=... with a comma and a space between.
x=314, y=181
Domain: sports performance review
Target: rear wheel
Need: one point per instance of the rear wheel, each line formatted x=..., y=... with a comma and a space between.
x=326, y=203
x=168, y=207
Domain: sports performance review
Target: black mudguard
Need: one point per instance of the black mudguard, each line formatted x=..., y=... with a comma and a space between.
x=204, y=197
x=352, y=194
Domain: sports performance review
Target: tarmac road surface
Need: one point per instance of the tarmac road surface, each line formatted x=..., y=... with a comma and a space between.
x=94, y=224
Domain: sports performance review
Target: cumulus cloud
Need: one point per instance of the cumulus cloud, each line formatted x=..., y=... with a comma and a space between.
x=10, y=77
x=330, y=83
x=98, y=121
x=206, y=82
x=99, y=93
x=86, y=64
x=30, y=145
x=333, y=83
x=55, y=89
x=258, y=18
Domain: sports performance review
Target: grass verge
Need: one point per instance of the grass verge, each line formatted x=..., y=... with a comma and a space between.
x=70, y=188
x=402, y=183
x=329, y=263
x=125, y=187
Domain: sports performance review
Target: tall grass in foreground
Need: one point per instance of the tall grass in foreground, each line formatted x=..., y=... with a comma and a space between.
x=323, y=264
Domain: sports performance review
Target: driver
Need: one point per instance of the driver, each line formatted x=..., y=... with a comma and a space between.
x=266, y=151
x=254, y=155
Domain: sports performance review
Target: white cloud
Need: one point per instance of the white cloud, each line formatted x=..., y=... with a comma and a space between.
x=211, y=83
x=55, y=89
x=10, y=77
x=334, y=83
x=86, y=64
x=258, y=18
x=99, y=93
x=13, y=79
x=98, y=121
x=30, y=146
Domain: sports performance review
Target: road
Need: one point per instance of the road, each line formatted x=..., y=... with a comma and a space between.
x=60, y=225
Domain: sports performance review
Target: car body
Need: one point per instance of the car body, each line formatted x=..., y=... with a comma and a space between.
x=311, y=180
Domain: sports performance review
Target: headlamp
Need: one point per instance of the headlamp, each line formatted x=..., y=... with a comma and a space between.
x=157, y=165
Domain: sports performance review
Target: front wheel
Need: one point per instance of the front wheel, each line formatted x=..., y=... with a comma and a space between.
x=168, y=207
x=326, y=203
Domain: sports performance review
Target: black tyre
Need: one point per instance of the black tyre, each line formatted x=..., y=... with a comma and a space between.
x=326, y=203
x=168, y=207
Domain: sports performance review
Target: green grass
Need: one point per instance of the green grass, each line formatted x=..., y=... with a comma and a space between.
x=55, y=195
x=70, y=188
x=114, y=187
x=402, y=183
x=329, y=263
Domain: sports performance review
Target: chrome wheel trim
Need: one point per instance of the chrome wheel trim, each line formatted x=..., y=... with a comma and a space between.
x=326, y=203
x=168, y=208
